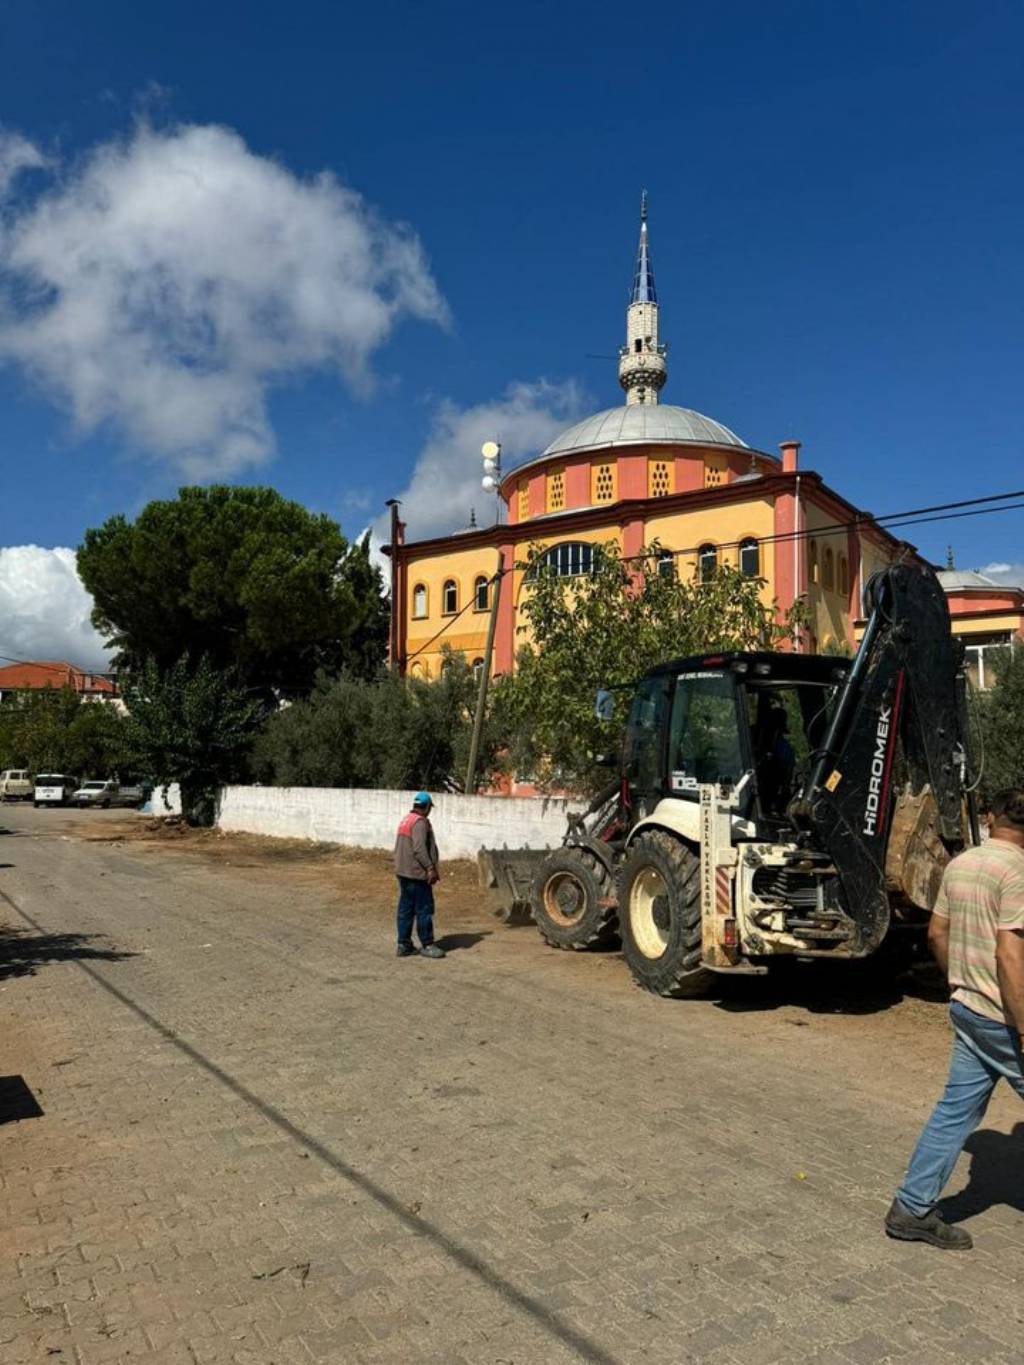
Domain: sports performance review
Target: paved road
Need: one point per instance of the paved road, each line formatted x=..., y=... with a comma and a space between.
x=266, y=1140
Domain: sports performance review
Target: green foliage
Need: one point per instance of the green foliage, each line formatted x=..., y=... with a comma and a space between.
x=605, y=630
x=389, y=732
x=241, y=576
x=1000, y=713
x=194, y=725
x=53, y=730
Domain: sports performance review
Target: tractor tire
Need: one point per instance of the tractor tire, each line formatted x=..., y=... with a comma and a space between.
x=659, y=916
x=573, y=901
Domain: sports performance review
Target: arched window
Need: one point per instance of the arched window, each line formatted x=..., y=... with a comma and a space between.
x=750, y=558
x=812, y=562
x=844, y=576
x=481, y=596
x=416, y=669
x=707, y=563
x=666, y=564
x=478, y=668
x=449, y=597
x=419, y=600
x=569, y=560
x=828, y=569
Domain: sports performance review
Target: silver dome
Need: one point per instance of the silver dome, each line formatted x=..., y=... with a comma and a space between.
x=953, y=579
x=641, y=424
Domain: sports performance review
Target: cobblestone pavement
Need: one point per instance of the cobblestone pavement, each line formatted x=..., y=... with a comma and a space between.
x=264, y=1139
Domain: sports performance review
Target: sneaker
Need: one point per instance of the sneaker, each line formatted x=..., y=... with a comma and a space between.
x=932, y=1228
x=405, y=950
x=431, y=950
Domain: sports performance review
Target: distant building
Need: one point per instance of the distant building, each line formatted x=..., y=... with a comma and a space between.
x=37, y=676
x=632, y=475
x=988, y=617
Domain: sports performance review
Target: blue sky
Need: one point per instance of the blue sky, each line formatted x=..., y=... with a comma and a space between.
x=836, y=220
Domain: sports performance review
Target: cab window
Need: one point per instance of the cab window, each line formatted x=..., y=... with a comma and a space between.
x=704, y=739
x=643, y=757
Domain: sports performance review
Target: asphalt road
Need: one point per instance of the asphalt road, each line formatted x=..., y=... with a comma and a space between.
x=235, y=1128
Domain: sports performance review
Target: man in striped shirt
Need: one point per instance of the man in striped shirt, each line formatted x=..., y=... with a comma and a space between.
x=977, y=935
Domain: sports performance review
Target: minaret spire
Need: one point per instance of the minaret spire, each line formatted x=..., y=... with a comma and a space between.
x=642, y=369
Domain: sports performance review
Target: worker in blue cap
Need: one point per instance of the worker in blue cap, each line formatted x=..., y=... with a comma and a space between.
x=416, y=867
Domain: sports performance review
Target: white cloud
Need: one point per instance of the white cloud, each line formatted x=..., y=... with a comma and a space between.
x=164, y=284
x=1002, y=572
x=16, y=154
x=445, y=482
x=44, y=609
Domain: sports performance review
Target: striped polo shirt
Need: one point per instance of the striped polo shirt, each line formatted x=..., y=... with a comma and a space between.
x=982, y=892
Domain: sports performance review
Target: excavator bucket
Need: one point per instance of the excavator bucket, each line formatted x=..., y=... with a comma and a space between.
x=508, y=873
x=916, y=857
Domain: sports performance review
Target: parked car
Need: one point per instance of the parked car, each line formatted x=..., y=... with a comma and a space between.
x=109, y=793
x=15, y=785
x=95, y=794
x=54, y=789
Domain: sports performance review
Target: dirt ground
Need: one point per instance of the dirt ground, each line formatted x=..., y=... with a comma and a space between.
x=364, y=878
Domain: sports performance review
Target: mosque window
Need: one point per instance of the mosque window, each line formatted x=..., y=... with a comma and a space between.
x=714, y=472
x=659, y=478
x=812, y=563
x=480, y=594
x=828, y=569
x=844, y=576
x=666, y=564
x=524, y=501
x=750, y=558
x=638, y=345
x=707, y=563
x=478, y=667
x=449, y=597
x=569, y=560
x=602, y=483
x=556, y=490
x=416, y=669
x=419, y=600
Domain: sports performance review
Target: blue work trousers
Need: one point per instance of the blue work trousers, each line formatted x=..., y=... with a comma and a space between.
x=984, y=1052
x=415, y=904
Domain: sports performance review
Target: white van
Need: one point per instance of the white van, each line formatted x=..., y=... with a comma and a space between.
x=15, y=784
x=54, y=789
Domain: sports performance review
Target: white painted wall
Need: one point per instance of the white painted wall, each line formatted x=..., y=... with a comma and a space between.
x=369, y=819
x=164, y=801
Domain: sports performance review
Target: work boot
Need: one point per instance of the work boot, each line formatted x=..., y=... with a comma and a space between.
x=431, y=950
x=406, y=950
x=932, y=1228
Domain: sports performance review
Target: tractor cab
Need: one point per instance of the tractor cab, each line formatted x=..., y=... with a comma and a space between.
x=750, y=721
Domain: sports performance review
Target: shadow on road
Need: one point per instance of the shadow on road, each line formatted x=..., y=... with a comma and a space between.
x=996, y=1161
x=832, y=988
x=17, y=1101
x=452, y=943
x=23, y=952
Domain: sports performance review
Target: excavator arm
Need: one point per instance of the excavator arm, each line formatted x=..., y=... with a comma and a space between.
x=897, y=743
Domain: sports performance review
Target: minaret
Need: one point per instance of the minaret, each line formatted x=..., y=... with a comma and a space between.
x=642, y=368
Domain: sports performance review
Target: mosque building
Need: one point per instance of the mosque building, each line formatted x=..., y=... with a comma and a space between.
x=637, y=474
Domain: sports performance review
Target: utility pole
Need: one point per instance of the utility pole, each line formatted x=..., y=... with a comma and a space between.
x=394, y=622
x=485, y=677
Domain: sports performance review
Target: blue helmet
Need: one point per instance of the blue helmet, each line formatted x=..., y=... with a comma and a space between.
x=422, y=799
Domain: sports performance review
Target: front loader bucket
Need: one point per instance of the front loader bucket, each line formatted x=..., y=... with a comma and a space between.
x=507, y=873
x=916, y=857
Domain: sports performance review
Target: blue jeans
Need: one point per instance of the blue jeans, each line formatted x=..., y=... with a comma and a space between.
x=415, y=903
x=984, y=1052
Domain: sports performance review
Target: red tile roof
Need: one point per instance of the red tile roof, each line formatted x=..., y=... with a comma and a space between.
x=27, y=676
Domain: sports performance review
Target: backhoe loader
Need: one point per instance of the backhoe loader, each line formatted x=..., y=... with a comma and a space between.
x=769, y=805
